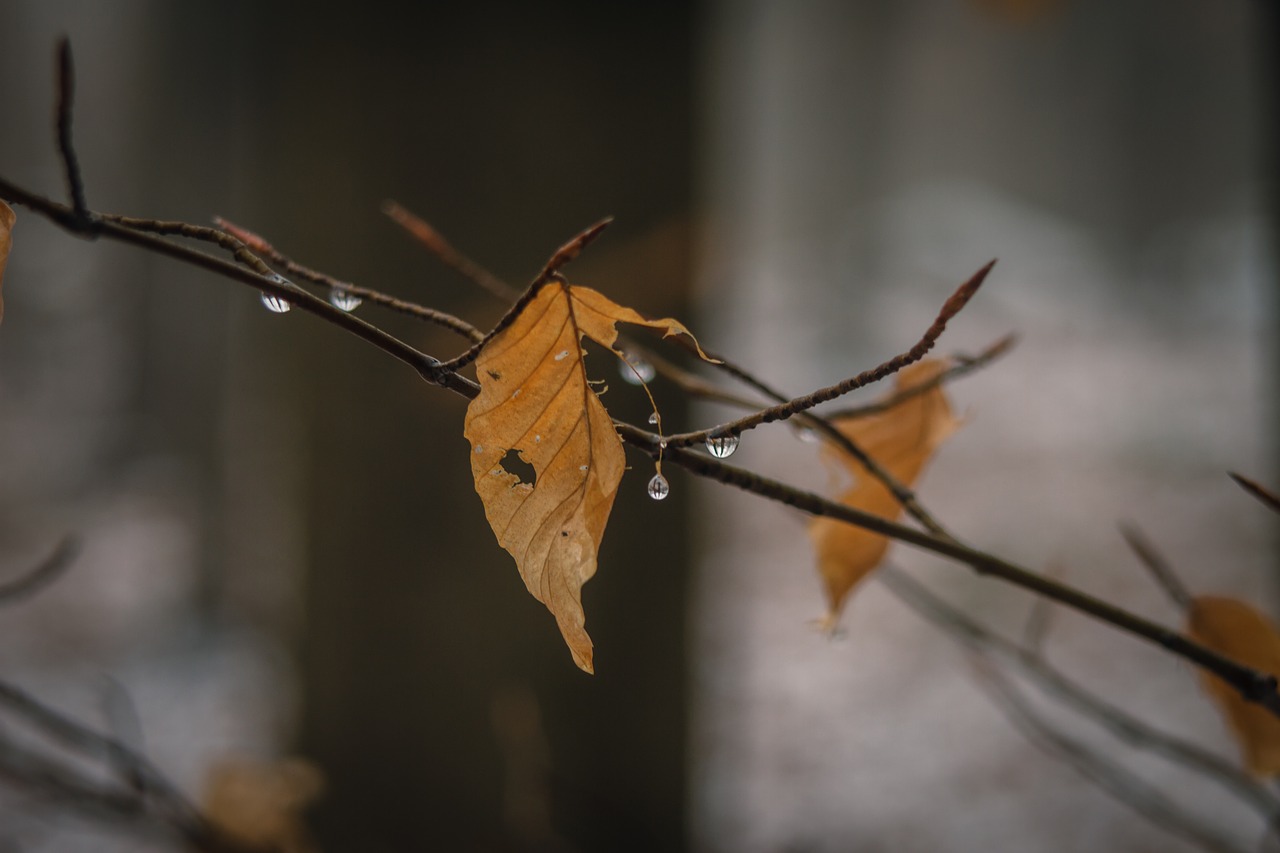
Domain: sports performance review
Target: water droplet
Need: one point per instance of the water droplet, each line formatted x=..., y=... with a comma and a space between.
x=537, y=439
x=584, y=467
x=638, y=371
x=722, y=446
x=344, y=300
x=659, y=488
x=663, y=444
x=479, y=448
x=275, y=304
x=653, y=419
x=806, y=435
x=562, y=355
x=516, y=393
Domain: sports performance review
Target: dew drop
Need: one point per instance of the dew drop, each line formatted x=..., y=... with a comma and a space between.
x=516, y=393
x=275, y=304
x=638, y=371
x=584, y=467
x=653, y=419
x=344, y=300
x=562, y=355
x=722, y=446
x=806, y=435
x=659, y=488
x=537, y=439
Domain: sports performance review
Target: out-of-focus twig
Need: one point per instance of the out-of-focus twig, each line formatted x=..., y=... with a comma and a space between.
x=125, y=787
x=1156, y=564
x=1268, y=498
x=46, y=572
x=1122, y=784
x=435, y=242
x=981, y=640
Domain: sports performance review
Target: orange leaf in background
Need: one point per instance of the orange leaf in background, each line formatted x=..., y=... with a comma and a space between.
x=1242, y=633
x=7, y=219
x=901, y=439
x=535, y=400
x=262, y=804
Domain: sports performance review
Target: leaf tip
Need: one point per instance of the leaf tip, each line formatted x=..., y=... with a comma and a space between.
x=585, y=660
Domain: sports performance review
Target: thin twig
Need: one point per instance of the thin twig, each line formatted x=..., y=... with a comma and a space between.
x=49, y=570
x=70, y=163
x=782, y=411
x=426, y=366
x=1157, y=565
x=231, y=242
x=961, y=365
x=376, y=297
x=1269, y=498
x=550, y=272
x=1122, y=784
x=435, y=243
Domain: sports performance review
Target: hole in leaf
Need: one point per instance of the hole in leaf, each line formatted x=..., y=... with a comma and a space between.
x=515, y=465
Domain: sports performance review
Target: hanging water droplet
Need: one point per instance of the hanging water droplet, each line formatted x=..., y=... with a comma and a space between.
x=653, y=419
x=659, y=488
x=275, y=304
x=722, y=446
x=344, y=300
x=562, y=355
x=636, y=370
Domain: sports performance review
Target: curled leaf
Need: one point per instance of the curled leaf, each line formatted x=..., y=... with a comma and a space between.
x=7, y=218
x=535, y=400
x=901, y=440
x=1243, y=633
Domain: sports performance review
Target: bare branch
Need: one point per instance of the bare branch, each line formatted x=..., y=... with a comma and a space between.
x=782, y=411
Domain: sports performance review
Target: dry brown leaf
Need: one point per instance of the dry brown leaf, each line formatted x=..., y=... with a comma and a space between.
x=262, y=804
x=535, y=399
x=7, y=218
x=902, y=440
x=1242, y=633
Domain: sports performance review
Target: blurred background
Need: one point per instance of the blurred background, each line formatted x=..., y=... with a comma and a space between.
x=283, y=554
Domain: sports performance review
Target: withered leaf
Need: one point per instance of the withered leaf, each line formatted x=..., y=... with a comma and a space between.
x=535, y=399
x=261, y=804
x=901, y=439
x=1243, y=633
x=7, y=218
